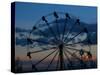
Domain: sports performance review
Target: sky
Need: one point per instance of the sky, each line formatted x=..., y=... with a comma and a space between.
x=27, y=14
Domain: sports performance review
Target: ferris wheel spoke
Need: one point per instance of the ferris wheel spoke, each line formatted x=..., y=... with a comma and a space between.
x=64, y=65
x=64, y=30
x=73, y=49
x=74, y=37
x=58, y=29
x=57, y=63
x=51, y=30
x=57, y=25
x=44, y=34
x=52, y=61
x=75, y=43
x=43, y=50
x=69, y=32
x=65, y=25
x=68, y=59
x=44, y=58
x=82, y=42
x=38, y=41
x=73, y=55
x=77, y=22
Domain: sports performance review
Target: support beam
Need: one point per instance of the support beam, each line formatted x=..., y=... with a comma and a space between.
x=61, y=57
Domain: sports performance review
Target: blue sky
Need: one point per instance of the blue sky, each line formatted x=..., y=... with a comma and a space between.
x=28, y=13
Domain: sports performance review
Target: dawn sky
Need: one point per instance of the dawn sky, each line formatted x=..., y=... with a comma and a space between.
x=28, y=13
x=75, y=43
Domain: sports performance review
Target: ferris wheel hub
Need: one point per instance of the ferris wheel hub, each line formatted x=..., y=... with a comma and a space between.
x=61, y=46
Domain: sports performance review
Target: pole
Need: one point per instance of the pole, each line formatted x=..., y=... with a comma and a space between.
x=61, y=56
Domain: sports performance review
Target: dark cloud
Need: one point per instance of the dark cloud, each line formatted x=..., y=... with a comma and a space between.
x=21, y=42
x=92, y=29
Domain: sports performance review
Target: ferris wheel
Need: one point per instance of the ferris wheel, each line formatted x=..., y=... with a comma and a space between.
x=60, y=40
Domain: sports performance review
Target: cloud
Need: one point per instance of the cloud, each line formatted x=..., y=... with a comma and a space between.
x=21, y=33
x=21, y=42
